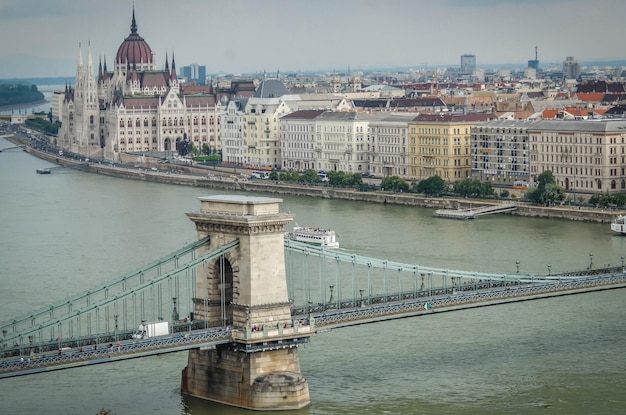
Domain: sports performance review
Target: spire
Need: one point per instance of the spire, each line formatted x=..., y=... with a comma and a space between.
x=105, y=73
x=133, y=25
x=173, y=76
x=99, y=68
x=89, y=59
x=80, y=55
x=167, y=65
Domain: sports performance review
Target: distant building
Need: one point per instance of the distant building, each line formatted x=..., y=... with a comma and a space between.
x=534, y=63
x=468, y=64
x=194, y=73
x=571, y=69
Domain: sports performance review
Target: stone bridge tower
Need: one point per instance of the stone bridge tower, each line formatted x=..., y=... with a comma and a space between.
x=247, y=290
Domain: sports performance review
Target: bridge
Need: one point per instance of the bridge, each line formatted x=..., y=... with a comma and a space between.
x=243, y=293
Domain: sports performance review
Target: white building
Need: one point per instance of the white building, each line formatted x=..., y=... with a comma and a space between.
x=341, y=142
x=297, y=140
x=388, y=144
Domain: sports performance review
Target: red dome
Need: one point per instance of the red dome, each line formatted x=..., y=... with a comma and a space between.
x=134, y=50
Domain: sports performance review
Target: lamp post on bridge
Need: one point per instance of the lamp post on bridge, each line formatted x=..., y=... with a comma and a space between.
x=361, y=292
x=517, y=266
x=622, y=257
x=175, y=315
x=115, y=316
x=590, y=261
x=549, y=270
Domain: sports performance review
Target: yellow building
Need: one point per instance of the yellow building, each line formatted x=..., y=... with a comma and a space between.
x=439, y=144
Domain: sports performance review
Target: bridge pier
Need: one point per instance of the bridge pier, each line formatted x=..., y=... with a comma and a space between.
x=247, y=291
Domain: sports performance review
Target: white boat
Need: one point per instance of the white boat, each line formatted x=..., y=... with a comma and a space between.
x=618, y=225
x=314, y=236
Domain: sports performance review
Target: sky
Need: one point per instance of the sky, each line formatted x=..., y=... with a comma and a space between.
x=41, y=38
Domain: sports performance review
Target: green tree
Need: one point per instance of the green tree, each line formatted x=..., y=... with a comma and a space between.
x=434, y=185
x=394, y=184
x=289, y=176
x=547, y=191
x=310, y=176
x=473, y=188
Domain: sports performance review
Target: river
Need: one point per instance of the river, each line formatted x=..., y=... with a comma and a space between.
x=65, y=232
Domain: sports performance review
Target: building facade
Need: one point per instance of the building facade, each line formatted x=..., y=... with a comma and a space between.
x=501, y=151
x=297, y=140
x=388, y=142
x=439, y=144
x=341, y=142
x=586, y=156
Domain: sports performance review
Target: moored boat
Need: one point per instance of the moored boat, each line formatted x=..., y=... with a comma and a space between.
x=314, y=236
x=618, y=225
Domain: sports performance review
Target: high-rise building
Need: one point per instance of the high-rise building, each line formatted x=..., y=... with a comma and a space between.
x=534, y=63
x=195, y=73
x=571, y=69
x=468, y=64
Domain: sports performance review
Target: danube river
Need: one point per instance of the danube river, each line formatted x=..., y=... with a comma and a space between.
x=68, y=231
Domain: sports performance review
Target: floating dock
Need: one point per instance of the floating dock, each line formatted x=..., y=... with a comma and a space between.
x=473, y=213
x=43, y=171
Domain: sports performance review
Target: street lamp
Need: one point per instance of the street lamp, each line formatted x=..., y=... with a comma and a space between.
x=517, y=266
x=115, y=316
x=549, y=269
x=590, y=261
x=361, y=292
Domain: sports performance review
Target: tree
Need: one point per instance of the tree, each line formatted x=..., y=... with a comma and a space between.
x=310, y=176
x=473, y=188
x=434, y=185
x=547, y=191
x=394, y=184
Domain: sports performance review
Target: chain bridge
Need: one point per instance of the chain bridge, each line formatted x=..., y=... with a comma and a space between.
x=218, y=294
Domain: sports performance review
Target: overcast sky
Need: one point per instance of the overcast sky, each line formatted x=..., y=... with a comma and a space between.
x=41, y=37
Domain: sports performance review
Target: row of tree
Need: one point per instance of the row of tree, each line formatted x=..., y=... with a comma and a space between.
x=546, y=192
